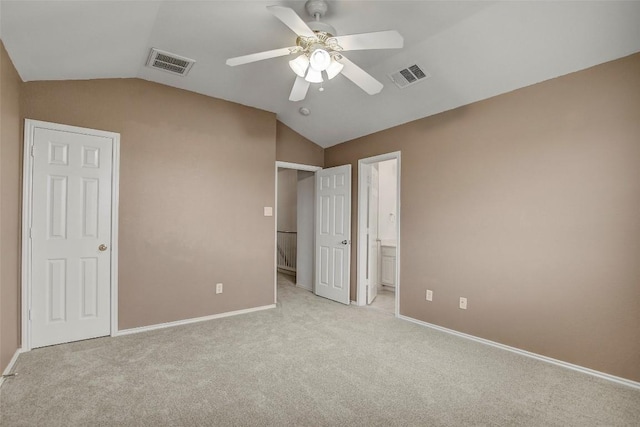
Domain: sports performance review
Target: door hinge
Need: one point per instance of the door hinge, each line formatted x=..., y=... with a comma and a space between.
x=31, y=232
x=29, y=314
x=33, y=150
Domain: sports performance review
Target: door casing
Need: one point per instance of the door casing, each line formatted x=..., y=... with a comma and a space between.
x=372, y=257
x=361, y=293
x=284, y=165
x=27, y=208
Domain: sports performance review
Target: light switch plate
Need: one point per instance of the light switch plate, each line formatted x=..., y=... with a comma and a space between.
x=268, y=211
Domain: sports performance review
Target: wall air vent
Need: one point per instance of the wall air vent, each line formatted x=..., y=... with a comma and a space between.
x=409, y=76
x=169, y=62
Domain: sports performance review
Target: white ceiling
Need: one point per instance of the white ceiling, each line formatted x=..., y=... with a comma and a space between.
x=473, y=50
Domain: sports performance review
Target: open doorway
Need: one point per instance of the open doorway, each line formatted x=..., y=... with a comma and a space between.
x=295, y=207
x=379, y=232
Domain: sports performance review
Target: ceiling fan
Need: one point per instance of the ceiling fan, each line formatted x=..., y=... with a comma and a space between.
x=320, y=50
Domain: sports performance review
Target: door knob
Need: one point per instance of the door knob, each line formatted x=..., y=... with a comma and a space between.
x=345, y=242
x=102, y=247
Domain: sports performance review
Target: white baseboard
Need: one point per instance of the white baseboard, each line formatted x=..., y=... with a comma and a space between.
x=188, y=321
x=9, y=367
x=603, y=375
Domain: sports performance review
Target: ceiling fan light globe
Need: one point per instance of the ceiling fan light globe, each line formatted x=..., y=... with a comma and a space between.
x=320, y=59
x=334, y=69
x=299, y=65
x=314, y=76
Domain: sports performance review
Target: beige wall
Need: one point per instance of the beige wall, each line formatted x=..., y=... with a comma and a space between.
x=528, y=204
x=195, y=174
x=293, y=147
x=10, y=200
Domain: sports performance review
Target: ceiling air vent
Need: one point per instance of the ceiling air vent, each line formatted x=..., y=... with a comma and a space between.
x=409, y=76
x=169, y=62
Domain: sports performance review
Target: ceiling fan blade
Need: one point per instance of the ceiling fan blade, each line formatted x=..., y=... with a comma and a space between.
x=360, y=77
x=379, y=40
x=300, y=88
x=291, y=19
x=239, y=60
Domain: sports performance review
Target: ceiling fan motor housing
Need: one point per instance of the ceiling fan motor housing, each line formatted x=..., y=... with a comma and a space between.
x=321, y=27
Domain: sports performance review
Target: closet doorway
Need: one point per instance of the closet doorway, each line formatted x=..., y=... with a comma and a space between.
x=378, y=251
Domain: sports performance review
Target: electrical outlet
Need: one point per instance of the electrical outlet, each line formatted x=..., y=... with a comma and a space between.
x=463, y=303
x=218, y=288
x=429, y=295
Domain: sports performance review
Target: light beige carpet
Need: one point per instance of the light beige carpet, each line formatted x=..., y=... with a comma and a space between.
x=308, y=362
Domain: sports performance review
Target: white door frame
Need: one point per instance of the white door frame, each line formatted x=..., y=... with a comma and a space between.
x=361, y=293
x=283, y=165
x=27, y=190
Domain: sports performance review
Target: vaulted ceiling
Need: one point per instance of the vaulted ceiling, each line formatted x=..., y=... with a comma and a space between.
x=472, y=50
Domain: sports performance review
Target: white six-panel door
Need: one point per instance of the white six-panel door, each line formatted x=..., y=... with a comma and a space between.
x=333, y=233
x=70, y=236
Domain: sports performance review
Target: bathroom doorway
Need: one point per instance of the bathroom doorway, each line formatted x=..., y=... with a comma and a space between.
x=379, y=232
